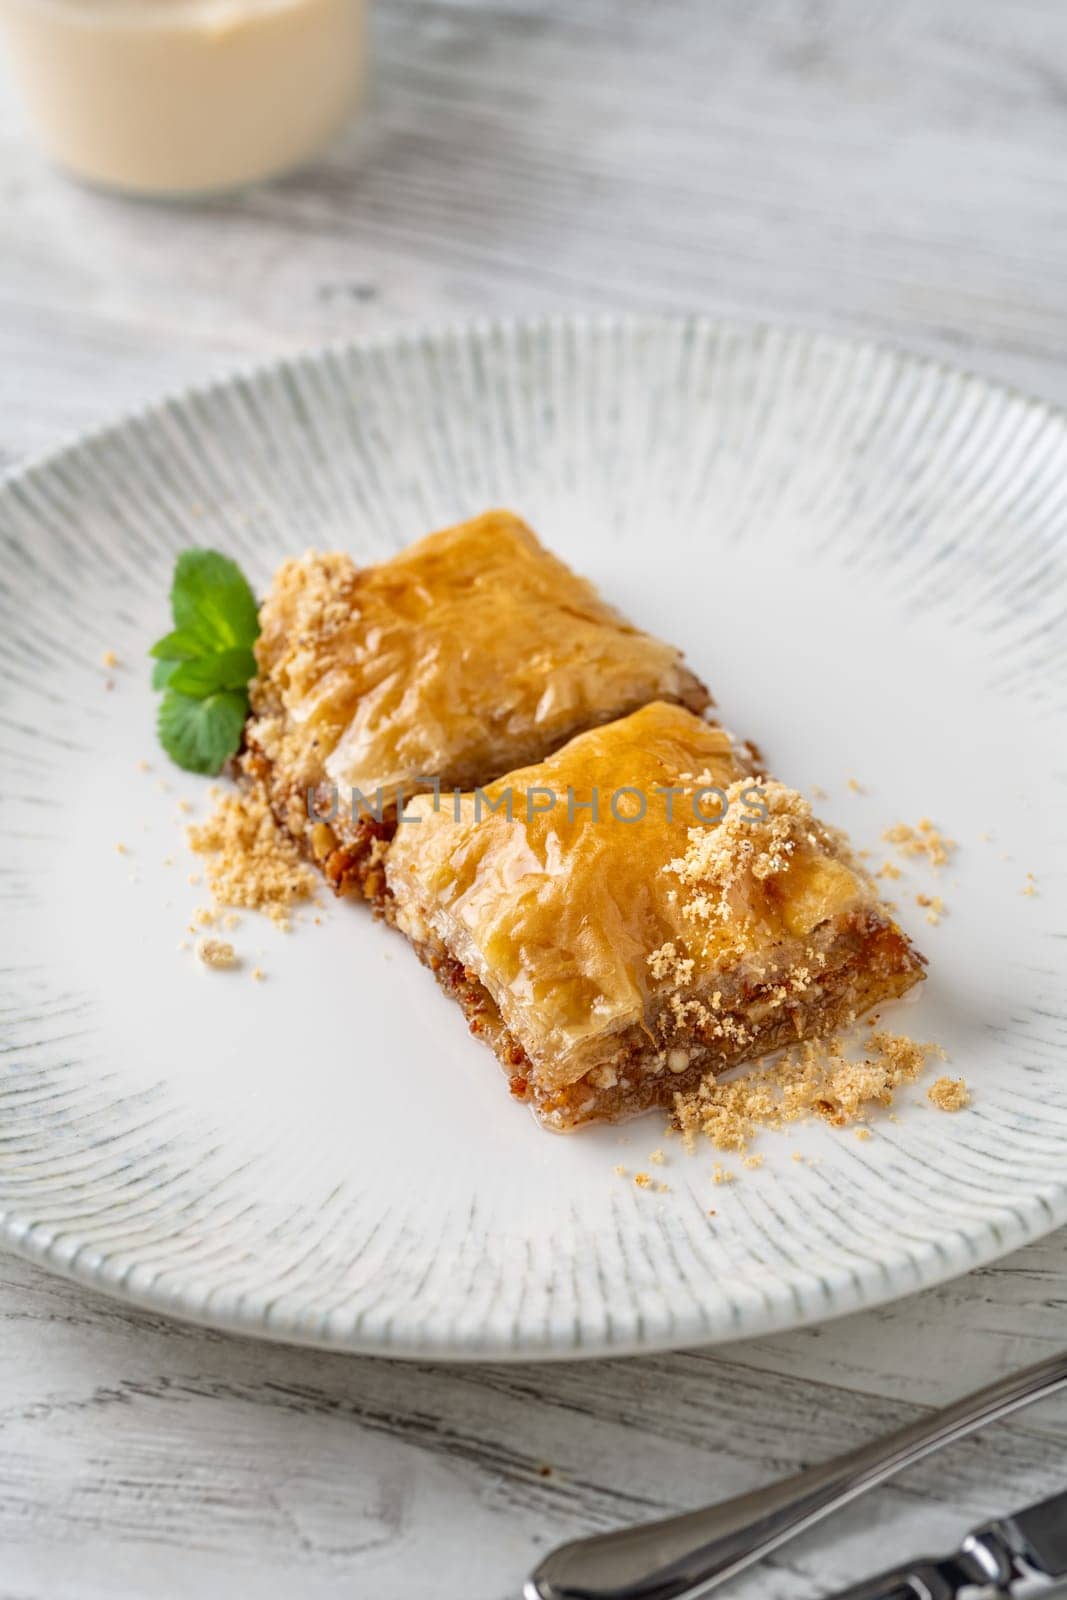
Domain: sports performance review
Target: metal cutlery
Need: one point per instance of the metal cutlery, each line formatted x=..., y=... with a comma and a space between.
x=1020, y=1555
x=689, y=1555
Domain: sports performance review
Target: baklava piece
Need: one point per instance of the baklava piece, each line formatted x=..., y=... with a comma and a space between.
x=613, y=956
x=470, y=653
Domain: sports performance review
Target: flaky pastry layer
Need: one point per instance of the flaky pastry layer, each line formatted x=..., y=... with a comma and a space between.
x=471, y=652
x=608, y=957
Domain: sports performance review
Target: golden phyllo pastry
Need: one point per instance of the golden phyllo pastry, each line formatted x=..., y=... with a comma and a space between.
x=652, y=909
x=471, y=652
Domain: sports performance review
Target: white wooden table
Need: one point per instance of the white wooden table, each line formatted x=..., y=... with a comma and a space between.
x=895, y=169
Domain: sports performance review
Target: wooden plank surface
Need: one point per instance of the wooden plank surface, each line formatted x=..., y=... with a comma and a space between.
x=891, y=170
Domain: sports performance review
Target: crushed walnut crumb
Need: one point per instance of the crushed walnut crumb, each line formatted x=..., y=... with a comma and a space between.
x=251, y=862
x=816, y=1078
x=642, y=1180
x=216, y=953
x=923, y=840
x=725, y=872
x=717, y=858
x=936, y=907
x=949, y=1094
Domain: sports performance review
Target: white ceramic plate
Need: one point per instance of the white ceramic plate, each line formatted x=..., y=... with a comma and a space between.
x=864, y=556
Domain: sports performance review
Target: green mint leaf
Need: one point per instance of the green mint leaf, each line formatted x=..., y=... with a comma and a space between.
x=162, y=671
x=212, y=602
x=177, y=646
x=228, y=669
x=205, y=664
x=202, y=735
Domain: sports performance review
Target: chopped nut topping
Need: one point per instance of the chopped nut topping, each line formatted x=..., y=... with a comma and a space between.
x=725, y=873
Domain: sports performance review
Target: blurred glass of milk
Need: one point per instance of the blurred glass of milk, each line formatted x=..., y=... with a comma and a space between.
x=185, y=96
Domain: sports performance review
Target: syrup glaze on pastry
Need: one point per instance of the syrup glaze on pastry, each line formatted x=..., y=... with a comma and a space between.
x=471, y=652
x=610, y=956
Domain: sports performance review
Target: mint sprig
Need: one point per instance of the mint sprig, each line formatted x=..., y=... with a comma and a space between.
x=204, y=665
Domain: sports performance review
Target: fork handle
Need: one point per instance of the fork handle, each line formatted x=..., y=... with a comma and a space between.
x=689, y=1554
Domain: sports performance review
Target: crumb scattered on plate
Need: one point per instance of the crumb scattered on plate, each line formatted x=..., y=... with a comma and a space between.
x=250, y=862
x=949, y=1094
x=925, y=839
x=216, y=953
x=817, y=1079
x=935, y=907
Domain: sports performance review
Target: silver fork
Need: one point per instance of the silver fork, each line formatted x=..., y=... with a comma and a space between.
x=689, y=1555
